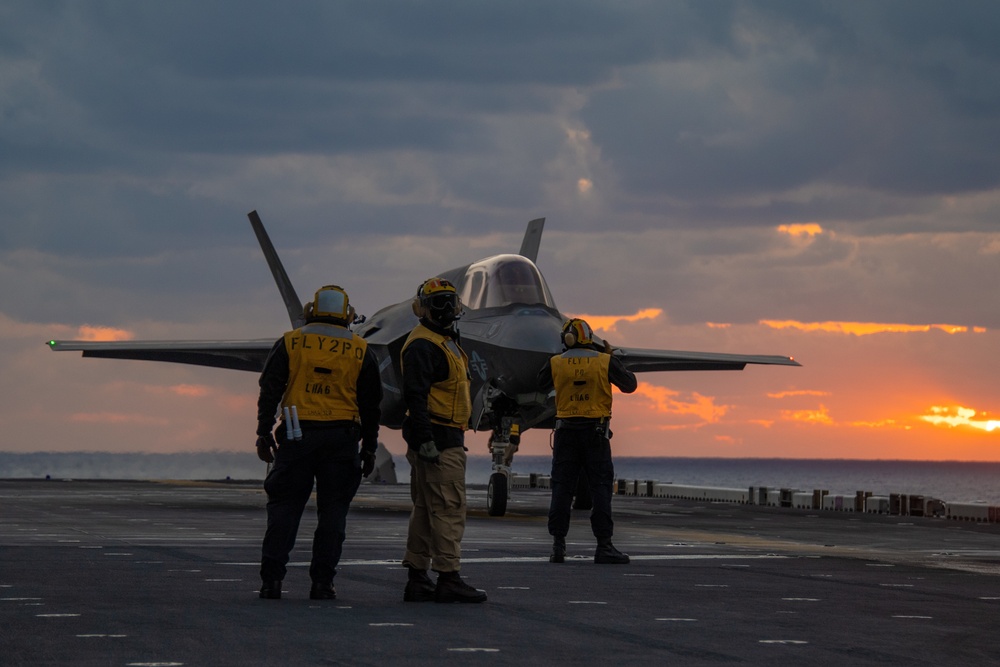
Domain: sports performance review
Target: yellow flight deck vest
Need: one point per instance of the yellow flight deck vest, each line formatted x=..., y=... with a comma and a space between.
x=324, y=362
x=582, y=387
x=450, y=401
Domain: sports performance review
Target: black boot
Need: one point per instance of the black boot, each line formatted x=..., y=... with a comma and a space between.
x=558, y=550
x=606, y=553
x=270, y=590
x=419, y=587
x=451, y=588
x=322, y=592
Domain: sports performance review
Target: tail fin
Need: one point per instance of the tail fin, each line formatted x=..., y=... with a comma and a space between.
x=532, y=239
x=291, y=299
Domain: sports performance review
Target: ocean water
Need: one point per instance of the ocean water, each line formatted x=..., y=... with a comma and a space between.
x=951, y=481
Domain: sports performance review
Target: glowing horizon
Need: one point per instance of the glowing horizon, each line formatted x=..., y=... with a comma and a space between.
x=868, y=328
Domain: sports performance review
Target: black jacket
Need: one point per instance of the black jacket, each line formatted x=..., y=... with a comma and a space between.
x=274, y=379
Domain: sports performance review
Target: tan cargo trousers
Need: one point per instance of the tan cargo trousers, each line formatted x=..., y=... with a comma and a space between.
x=437, y=522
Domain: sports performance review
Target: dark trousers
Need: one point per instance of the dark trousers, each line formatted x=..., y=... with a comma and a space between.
x=331, y=459
x=586, y=450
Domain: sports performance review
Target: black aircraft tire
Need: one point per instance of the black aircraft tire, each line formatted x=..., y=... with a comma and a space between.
x=583, y=501
x=496, y=495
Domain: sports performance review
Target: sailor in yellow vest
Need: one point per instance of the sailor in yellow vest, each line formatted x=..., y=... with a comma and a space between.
x=436, y=390
x=582, y=376
x=327, y=383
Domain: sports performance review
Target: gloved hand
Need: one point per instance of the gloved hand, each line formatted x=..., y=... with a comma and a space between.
x=608, y=348
x=266, y=448
x=429, y=452
x=367, y=462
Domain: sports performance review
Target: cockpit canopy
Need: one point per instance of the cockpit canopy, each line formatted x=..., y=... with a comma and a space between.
x=503, y=280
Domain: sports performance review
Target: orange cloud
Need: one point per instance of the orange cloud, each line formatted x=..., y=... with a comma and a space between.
x=820, y=416
x=668, y=401
x=801, y=392
x=119, y=418
x=956, y=416
x=102, y=334
x=718, y=325
x=867, y=328
x=191, y=390
x=801, y=229
x=609, y=322
x=884, y=423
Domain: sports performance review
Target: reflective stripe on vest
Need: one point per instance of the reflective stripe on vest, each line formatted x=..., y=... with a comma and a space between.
x=449, y=402
x=324, y=362
x=581, y=380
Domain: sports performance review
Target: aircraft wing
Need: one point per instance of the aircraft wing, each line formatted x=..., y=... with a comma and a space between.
x=642, y=361
x=241, y=355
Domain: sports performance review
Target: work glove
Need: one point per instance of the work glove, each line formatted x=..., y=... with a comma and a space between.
x=429, y=452
x=367, y=462
x=266, y=448
x=608, y=348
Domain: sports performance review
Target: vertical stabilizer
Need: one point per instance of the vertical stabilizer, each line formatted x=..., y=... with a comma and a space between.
x=532, y=239
x=288, y=295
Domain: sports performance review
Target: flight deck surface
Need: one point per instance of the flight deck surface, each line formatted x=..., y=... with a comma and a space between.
x=165, y=573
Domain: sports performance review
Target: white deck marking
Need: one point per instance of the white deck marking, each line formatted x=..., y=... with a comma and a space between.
x=532, y=559
x=391, y=625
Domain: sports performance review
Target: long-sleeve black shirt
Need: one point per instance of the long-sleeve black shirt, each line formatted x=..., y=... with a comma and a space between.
x=274, y=380
x=424, y=364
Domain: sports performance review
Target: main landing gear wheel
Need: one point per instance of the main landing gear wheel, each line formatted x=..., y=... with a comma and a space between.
x=496, y=495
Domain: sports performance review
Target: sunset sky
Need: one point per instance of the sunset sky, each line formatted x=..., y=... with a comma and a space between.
x=814, y=179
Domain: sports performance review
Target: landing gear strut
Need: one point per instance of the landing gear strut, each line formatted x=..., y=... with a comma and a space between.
x=503, y=443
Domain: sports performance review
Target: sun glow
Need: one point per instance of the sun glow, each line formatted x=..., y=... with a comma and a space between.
x=957, y=416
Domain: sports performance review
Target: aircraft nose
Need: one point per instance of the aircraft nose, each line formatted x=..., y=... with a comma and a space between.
x=522, y=345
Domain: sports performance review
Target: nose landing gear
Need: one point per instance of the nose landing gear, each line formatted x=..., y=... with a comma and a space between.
x=503, y=443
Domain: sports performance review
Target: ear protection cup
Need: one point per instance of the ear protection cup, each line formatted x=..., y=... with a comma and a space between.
x=307, y=310
x=423, y=303
x=576, y=332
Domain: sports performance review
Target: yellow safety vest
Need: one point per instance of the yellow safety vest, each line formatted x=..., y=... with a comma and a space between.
x=450, y=401
x=324, y=362
x=581, y=380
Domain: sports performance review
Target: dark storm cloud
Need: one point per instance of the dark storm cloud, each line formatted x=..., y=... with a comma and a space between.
x=120, y=119
x=897, y=97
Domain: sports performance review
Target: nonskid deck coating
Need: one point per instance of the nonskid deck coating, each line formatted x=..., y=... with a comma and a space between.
x=143, y=573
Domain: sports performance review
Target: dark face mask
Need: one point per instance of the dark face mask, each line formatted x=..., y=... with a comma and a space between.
x=443, y=308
